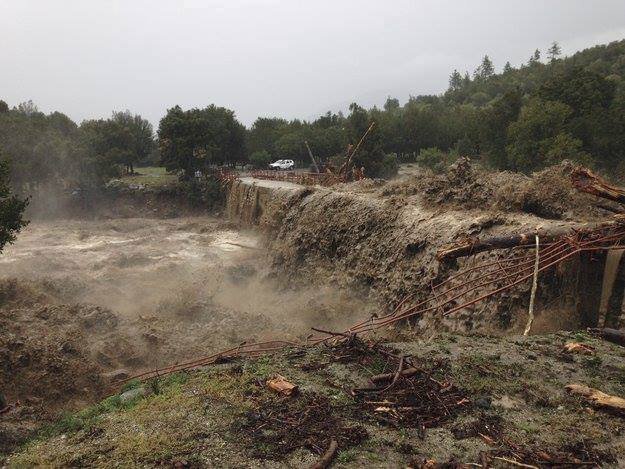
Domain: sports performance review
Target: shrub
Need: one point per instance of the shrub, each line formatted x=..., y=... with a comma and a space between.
x=435, y=159
x=390, y=166
x=260, y=159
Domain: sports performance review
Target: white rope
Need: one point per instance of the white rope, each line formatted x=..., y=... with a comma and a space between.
x=530, y=319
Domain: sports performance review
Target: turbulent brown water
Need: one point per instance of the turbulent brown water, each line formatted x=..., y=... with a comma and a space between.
x=179, y=272
x=128, y=265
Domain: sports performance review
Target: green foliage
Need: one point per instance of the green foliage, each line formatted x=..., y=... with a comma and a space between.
x=205, y=192
x=435, y=159
x=124, y=139
x=390, y=166
x=11, y=208
x=260, y=159
x=198, y=138
x=534, y=133
x=51, y=151
x=554, y=51
x=521, y=119
x=485, y=70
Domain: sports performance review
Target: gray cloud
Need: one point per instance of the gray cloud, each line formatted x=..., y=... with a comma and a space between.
x=270, y=57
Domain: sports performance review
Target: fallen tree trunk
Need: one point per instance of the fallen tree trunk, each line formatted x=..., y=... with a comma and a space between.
x=585, y=180
x=474, y=246
x=611, y=335
x=471, y=246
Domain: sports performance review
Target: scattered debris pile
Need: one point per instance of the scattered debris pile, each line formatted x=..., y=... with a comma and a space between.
x=308, y=421
x=547, y=193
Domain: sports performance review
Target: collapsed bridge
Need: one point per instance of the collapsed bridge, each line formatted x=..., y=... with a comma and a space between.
x=500, y=264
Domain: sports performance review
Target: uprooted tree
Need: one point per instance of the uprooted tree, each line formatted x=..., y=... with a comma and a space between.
x=582, y=179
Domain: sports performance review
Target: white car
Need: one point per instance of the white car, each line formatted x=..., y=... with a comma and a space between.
x=282, y=164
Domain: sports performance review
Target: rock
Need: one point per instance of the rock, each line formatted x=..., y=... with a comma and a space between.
x=505, y=402
x=484, y=402
x=69, y=348
x=116, y=375
x=132, y=394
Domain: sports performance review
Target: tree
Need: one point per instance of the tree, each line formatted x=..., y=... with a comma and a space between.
x=27, y=108
x=11, y=208
x=494, y=127
x=455, y=81
x=554, y=51
x=4, y=107
x=435, y=159
x=485, y=70
x=507, y=68
x=264, y=134
x=534, y=136
x=260, y=159
x=581, y=89
x=535, y=58
x=391, y=104
x=198, y=138
x=133, y=136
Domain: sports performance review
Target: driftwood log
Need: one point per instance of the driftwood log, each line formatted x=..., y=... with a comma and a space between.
x=472, y=246
x=598, y=398
x=585, y=180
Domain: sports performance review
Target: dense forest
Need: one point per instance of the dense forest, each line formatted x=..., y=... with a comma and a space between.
x=520, y=119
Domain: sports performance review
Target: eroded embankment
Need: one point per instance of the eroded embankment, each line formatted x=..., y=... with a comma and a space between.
x=382, y=240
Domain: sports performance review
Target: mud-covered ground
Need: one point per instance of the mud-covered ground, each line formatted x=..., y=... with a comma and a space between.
x=86, y=303
x=476, y=401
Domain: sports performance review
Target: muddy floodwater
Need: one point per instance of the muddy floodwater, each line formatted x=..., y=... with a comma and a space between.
x=188, y=284
x=128, y=265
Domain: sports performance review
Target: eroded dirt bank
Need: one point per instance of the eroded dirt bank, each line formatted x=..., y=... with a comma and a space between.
x=84, y=303
x=381, y=239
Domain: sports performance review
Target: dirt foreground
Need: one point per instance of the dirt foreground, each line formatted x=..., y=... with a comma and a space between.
x=475, y=400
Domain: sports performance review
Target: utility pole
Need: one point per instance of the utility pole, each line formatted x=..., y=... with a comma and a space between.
x=312, y=157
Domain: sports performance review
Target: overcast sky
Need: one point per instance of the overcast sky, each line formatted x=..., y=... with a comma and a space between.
x=270, y=57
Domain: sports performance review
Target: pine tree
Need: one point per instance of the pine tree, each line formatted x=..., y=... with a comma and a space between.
x=554, y=51
x=507, y=68
x=534, y=59
x=455, y=81
x=486, y=69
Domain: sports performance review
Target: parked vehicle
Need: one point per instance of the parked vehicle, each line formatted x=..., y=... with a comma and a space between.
x=282, y=165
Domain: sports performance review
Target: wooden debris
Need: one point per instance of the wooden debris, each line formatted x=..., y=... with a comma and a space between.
x=598, y=398
x=585, y=180
x=611, y=335
x=389, y=376
x=327, y=457
x=280, y=385
x=578, y=347
x=515, y=463
x=471, y=246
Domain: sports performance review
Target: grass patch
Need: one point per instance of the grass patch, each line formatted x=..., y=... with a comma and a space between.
x=88, y=417
x=150, y=176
